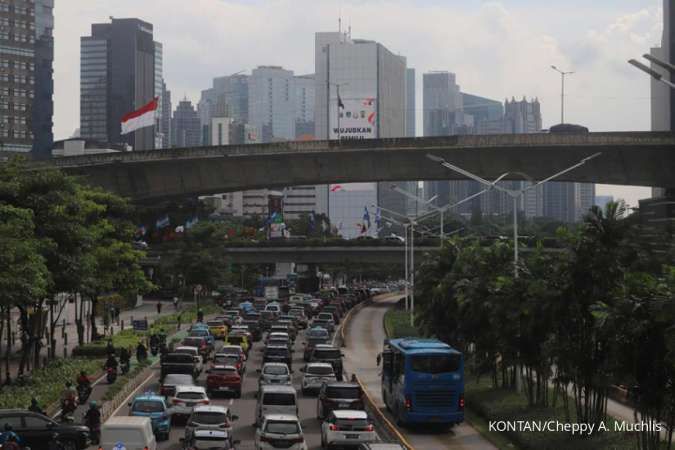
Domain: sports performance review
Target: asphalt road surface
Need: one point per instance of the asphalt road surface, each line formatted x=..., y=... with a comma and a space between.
x=363, y=341
x=244, y=407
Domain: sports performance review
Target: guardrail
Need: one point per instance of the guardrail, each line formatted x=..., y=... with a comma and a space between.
x=111, y=406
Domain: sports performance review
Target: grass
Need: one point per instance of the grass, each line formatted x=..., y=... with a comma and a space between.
x=47, y=383
x=122, y=380
x=397, y=324
x=495, y=404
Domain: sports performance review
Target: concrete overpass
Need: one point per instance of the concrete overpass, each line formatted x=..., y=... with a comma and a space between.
x=634, y=158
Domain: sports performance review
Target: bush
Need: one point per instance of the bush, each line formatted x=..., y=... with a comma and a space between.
x=124, y=339
x=46, y=384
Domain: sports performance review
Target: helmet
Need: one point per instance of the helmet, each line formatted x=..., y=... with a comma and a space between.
x=93, y=404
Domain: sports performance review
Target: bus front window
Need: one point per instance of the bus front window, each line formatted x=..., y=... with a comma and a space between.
x=435, y=364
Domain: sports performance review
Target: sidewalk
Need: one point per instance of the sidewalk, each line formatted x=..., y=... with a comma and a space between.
x=147, y=310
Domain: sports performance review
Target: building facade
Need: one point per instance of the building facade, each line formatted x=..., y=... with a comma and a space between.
x=372, y=104
x=165, y=124
x=160, y=138
x=117, y=68
x=26, y=82
x=304, y=107
x=271, y=103
x=186, y=131
x=410, y=108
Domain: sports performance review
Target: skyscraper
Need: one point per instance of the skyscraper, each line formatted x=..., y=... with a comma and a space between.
x=186, y=130
x=117, y=76
x=271, y=103
x=160, y=138
x=26, y=83
x=165, y=124
x=228, y=97
x=410, y=111
x=304, y=106
x=372, y=104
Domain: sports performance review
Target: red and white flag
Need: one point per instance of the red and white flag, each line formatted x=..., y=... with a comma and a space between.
x=335, y=187
x=141, y=118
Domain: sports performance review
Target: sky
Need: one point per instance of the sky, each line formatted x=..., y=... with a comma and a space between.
x=497, y=49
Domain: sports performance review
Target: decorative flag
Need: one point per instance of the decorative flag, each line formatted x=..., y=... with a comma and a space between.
x=378, y=217
x=141, y=118
x=336, y=187
x=163, y=222
x=180, y=229
x=340, y=104
x=366, y=217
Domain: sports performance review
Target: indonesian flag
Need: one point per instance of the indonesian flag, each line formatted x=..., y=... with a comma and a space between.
x=335, y=188
x=141, y=118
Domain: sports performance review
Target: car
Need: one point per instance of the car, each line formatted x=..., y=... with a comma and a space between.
x=274, y=308
x=185, y=398
x=329, y=354
x=329, y=317
x=277, y=335
x=35, y=429
x=224, y=379
x=153, y=406
x=315, y=375
x=255, y=329
x=323, y=323
x=211, y=417
x=235, y=349
x=177, y=363
x=207, y=438
x=238, y=339
x=168, y=386
x=292, y=330
x=347, y=427
x=313, y=337
x=274, y=373
x=275, y=399
x=230, y=359
x=201, y=343
x=279, y=341
x=278, y=353
x=134, y=432
x=205, y=333
x=300, y=317
x=338, y=395
x=280, y=431
x=198, y=326
x=194, y=351
x=217, y=328
x=334, y=310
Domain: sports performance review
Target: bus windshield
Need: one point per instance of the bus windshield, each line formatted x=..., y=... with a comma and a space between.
x=435, y=364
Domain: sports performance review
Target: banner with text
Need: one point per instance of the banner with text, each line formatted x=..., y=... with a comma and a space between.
x=358, y=119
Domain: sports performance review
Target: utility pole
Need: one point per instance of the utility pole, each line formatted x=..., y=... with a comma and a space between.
x=562, y=91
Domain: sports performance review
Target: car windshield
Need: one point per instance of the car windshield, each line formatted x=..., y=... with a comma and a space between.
x=318, y=333
x=178, y=380
x=190, y=395
x=277, y=351
x=277, y=342
x=279, y=398
x=148, y=406
x=327, y=354
x=275, y=370
x=282, y=427
x=188, y=351
x=435, y=364
x=326, y=316
x=192, y=342
x=343, y=392
x=224, y=371
x=230, y=350
x=320, y=370
x=226, y=359
x=209, y=418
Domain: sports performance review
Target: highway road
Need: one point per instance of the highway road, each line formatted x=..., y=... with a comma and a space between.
x=363, y=341
x=244, y=407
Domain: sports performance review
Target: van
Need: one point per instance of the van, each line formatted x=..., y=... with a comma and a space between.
x=276, y=400
x=134, y=433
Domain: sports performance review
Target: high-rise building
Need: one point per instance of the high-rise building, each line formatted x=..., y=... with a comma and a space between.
x=304, y=107
x=271, y=103
x=186, y=130
x=26, y=83
x=117, y=76
x=372, y=87
x=228, y=97
x=410, y=95
x=160, y=139
x=165, y=124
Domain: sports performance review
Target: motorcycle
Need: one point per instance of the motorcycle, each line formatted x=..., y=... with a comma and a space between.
x=125, y=367
x=68, y=407
x=83, y=392
x=111, y=375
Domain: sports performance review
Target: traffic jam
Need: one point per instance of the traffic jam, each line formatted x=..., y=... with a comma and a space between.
x=262, y=375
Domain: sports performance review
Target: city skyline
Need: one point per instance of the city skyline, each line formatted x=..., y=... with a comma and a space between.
x=494, y=46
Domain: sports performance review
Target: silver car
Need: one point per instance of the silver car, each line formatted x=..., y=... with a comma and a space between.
x=274, y=373
x=315, y=374
x=210, y=417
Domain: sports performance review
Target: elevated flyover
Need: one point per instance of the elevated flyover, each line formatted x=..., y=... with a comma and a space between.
x=633, y=158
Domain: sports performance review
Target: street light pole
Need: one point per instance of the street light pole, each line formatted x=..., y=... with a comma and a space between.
x=562, y=92
x=412, y=273
x=515, y=194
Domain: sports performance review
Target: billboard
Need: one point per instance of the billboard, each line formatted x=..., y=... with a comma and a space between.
x=358, y=119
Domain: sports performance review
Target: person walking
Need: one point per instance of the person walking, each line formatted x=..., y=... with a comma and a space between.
x=159, y=307
x=175, y=303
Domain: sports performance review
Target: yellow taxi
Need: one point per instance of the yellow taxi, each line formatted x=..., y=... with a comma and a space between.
x=238, y=338
x=217, y=328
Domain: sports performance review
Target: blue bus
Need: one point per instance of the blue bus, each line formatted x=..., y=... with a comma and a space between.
x=423, y=381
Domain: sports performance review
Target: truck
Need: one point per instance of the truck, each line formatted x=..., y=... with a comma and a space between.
x=180, y=363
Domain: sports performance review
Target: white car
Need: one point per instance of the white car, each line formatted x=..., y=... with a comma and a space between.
x=210, y=417
x=186, y=398
x=280, y=431
x=316, y=374
x=347, y=427
x=207, y=438
x=274, y=373
x=194, y=351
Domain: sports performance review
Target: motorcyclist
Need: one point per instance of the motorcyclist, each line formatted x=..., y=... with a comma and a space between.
x=11, y=443
x=83, y=379
x=69, y=393
x=92, y=419
x=111, y=362
x=35, y=407
x=110, y=348
x=200, y=315
x=9, y=436
x=141, y=352
x=125, y=358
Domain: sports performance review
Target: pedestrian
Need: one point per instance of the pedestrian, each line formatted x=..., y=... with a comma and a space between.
x=175, y=303
x=178, y=319
x=159, y=308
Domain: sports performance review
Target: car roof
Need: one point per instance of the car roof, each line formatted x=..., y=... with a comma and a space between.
x=180, y=376
x=325, y=347
x=343, y=384
x=224, y=367
x=275, y=364
x=149, y=396
x=284, y=389
x=187, y=388
x=211, y=408
x=186, y=347
x=238, y=347
x=276, y=346
x=284, y=417
x=125, y=421
x=350, y=414
x=319, y=364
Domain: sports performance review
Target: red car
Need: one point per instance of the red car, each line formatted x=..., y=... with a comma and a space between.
x=223, y=379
